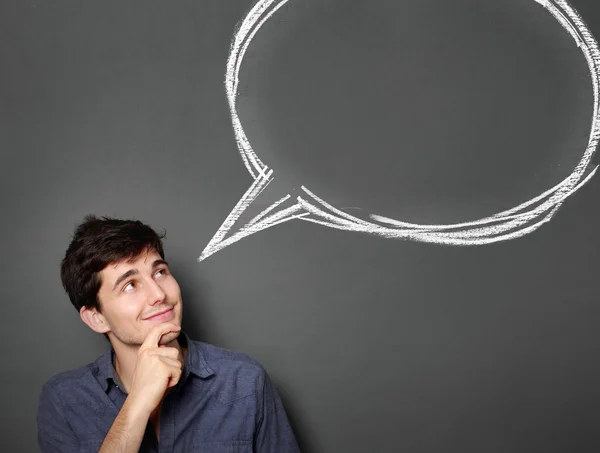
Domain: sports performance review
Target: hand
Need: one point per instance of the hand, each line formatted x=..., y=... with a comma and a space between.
x=157, y=369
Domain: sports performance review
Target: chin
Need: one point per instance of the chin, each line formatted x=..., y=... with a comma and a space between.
x=168, y=337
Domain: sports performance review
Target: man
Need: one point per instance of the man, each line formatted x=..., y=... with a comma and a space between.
x=155, y=389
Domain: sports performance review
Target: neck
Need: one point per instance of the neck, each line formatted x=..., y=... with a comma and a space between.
x=126, y=359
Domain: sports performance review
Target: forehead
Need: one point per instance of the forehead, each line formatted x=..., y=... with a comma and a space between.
x=141, y=261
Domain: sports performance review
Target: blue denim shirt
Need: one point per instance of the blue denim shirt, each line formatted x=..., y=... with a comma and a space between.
x=224, y=402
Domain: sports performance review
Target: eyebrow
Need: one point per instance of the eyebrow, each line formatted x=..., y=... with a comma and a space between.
x=131, y=272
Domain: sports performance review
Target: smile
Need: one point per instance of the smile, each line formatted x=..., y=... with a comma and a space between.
x=164, y=316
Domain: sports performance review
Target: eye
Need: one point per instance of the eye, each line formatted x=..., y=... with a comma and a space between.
x=130, y=284
x=161, y=272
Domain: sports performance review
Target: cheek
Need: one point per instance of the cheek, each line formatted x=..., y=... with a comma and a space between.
x=128, y=307
x=133, y=309
x=171, y=288
x=115, y=310
x=118, y=318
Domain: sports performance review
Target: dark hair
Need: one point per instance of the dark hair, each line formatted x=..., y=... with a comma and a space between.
x=98, y=242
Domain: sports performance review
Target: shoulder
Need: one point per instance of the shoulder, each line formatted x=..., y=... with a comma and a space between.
x=61, y=385
x=236, y=374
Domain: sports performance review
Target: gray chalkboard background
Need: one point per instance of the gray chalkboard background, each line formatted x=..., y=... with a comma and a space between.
x=423, y=111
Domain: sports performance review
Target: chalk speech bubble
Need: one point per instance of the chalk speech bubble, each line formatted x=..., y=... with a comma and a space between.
x=508, y=224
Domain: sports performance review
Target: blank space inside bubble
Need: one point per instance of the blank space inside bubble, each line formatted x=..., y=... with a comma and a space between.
x=423, y=110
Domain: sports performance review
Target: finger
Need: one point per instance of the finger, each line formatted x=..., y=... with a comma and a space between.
x=175, y=373
x=174, y=377
x=171, y=362
x=156, y=333
x=165, y=352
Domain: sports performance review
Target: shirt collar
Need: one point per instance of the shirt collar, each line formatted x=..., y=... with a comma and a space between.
x=194, y=363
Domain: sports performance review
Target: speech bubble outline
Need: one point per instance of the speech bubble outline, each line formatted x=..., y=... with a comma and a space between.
x=509, y=224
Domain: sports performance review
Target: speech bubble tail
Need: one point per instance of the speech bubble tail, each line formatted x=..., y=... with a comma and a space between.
x=277, y=212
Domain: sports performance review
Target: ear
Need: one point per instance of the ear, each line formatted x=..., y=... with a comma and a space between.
x=94, y=319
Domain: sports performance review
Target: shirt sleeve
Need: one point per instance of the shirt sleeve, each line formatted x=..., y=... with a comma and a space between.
x=54, y=434
x=273, y=432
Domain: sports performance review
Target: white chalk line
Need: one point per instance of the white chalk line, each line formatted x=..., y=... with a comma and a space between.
x=269, y=209
x=290, y=213
x=238, y=48
x=237, y=211
x=503, y=216
x=505, y=225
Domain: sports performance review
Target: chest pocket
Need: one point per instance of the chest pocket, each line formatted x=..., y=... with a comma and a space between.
x=223, y=447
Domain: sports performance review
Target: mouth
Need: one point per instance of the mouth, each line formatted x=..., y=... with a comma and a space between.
x=161, y=316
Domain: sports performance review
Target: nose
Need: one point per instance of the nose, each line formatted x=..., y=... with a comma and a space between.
x=155, y=292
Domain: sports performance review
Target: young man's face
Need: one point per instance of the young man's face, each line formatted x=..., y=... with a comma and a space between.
x=133, y=293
